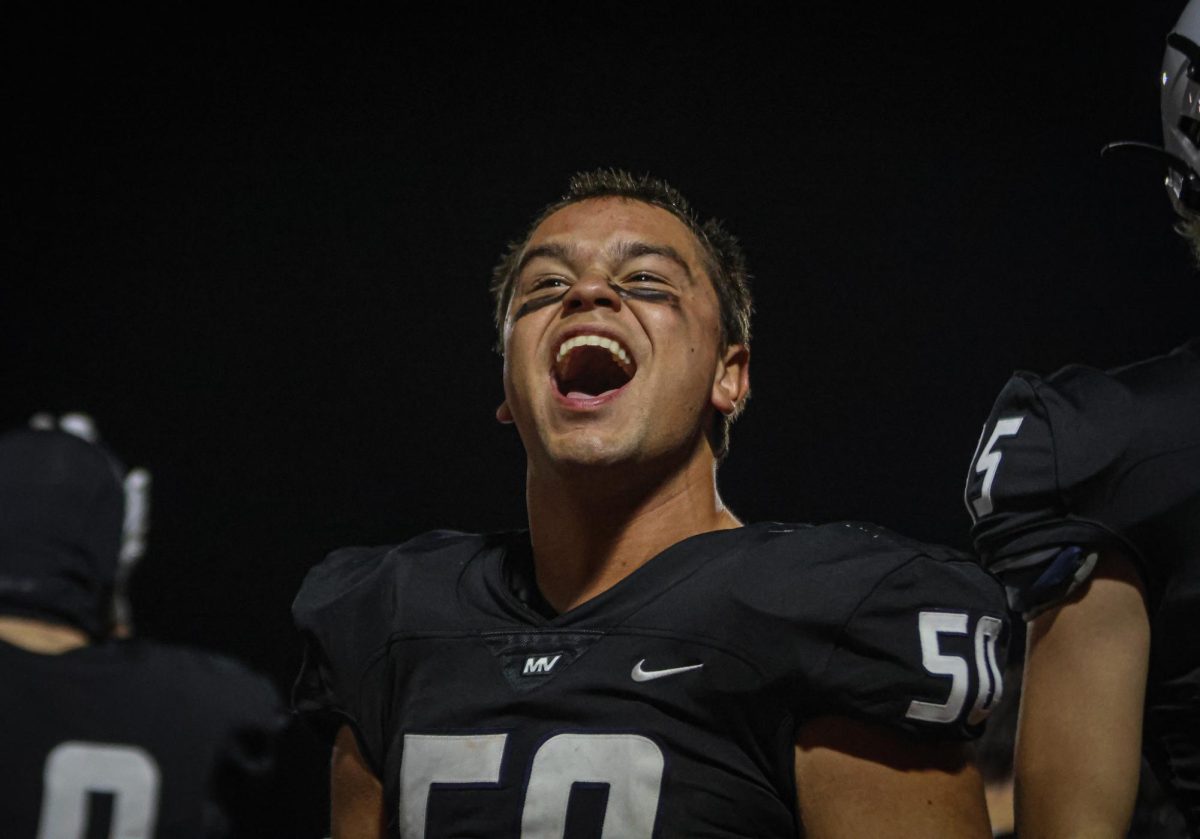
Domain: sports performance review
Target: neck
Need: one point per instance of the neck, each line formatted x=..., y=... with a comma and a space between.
x=592, y=527
x=41, y=637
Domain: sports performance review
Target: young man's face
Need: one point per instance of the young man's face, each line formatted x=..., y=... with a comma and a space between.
x=627, y=277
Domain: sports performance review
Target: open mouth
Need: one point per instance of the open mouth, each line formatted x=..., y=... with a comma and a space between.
x=590, y=366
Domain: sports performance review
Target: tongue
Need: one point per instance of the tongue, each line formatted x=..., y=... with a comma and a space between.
x=589, y=372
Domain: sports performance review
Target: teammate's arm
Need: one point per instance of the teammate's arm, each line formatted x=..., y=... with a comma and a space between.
x=1079, y=736
x=356, y=796
x=855, y=779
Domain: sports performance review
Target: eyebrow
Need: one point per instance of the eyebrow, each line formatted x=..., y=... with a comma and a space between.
x=552, y=250
x=621, y=252
x=626, y=250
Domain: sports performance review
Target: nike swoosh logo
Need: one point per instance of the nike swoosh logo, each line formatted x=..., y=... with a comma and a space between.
x=640, y=675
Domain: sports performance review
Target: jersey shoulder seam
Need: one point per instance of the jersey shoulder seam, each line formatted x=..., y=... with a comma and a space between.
x=841, y=632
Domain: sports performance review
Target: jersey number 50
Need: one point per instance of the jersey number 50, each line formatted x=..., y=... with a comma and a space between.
x=931, y=626
x=631, y=766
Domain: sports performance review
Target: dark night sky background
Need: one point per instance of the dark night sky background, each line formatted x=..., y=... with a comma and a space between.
x=257, y=253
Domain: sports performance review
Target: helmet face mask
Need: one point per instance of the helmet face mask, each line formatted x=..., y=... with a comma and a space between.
x=135, y=485
x=1180, y=105
x=134, y=529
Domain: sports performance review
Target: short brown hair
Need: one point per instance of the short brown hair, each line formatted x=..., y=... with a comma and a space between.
x=723, y=258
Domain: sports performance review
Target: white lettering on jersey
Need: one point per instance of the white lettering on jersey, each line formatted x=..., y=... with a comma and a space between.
x=988, y=462
x=931, y=625
x=540, y=665
x=430, y=759
x=629, y=765
x=74, y=770
x=991, y=681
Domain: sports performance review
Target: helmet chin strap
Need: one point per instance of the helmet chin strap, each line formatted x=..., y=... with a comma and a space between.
x=1173, y=162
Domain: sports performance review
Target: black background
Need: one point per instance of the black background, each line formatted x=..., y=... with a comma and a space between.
x=257, y=252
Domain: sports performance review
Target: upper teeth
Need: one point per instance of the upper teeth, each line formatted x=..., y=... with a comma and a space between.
x=592, y=341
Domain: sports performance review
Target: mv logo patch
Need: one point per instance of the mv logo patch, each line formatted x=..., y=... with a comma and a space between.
x=540, y=665
x=531, y=660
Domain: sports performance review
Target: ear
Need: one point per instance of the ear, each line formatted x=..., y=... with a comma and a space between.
x=732, y=381
x=503, y=414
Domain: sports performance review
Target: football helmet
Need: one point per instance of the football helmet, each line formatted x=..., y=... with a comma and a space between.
x=74, y=526
x=1180, y=103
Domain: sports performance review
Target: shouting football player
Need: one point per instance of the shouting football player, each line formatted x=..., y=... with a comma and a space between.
x=1085, y=493
x=638, y=663
x=105, y=737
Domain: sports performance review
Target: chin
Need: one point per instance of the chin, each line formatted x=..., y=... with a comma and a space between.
x=590, y=451
x=594, y=447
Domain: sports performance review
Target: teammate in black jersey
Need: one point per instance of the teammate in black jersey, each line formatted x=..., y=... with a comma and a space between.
x=637, y=663
x=1085, y=493
x=104, y=737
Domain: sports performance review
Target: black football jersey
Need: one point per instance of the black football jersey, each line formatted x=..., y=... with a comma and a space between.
x=128, y=739
x=1083, y=462
x=668, y=705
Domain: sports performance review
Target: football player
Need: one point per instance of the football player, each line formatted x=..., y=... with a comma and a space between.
x=637, y=662
x=1085, y=495
x=105, y=737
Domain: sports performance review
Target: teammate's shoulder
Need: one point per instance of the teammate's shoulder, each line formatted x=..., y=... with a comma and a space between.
x=200, y=677
x=1185, y=357
x=1079, y=426
x=1070, y=388
x=1173, y=378
x=1083, y=386
x=185, y=657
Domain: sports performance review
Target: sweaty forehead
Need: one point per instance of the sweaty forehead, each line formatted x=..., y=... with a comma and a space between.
x=596, y=225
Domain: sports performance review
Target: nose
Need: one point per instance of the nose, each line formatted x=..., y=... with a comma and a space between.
x=592, y=290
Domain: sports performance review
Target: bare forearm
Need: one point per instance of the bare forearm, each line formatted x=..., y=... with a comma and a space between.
x=1079, y=739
